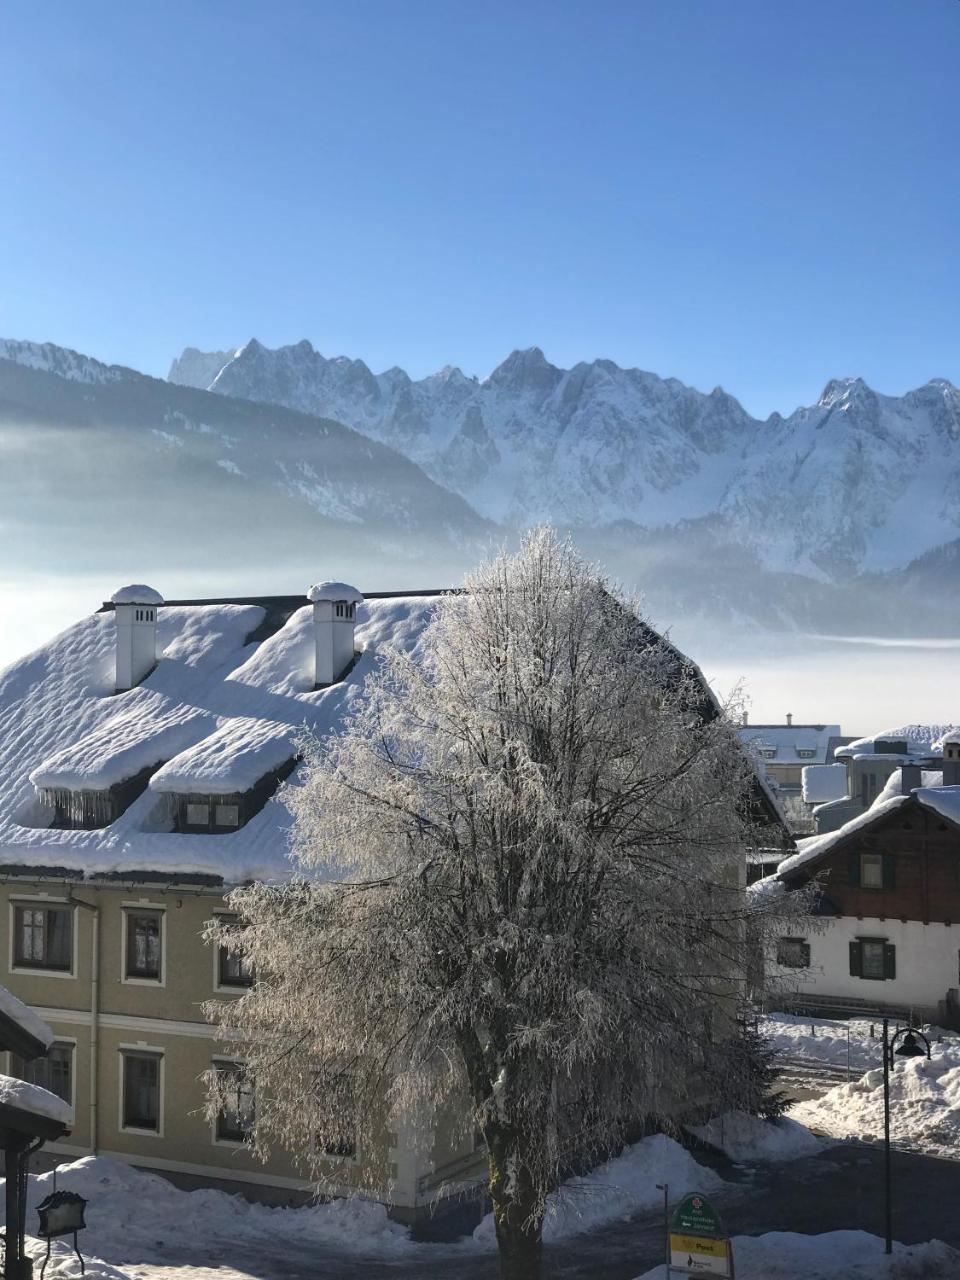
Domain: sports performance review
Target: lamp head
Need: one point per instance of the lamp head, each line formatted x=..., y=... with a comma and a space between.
x=910, y=1048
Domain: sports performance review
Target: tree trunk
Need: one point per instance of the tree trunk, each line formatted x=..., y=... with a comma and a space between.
x=519, y=1229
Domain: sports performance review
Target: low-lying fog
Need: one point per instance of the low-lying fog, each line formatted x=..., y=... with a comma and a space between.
x=864, y=683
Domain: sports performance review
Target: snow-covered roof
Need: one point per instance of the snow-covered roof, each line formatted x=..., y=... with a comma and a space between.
x=123, y=746
x=216, y=706
x=35, y=1101
x=921, y=740
x=792, y=743
x=136, y=593
x=931, y=794
x=338, y=591
x=824, y=782
x=24, y=1017
x=233, y=758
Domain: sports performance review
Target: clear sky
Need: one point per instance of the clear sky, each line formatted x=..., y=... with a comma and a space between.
x=753, y=193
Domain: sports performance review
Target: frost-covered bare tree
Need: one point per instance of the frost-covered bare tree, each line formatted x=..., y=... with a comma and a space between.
x=519, y=884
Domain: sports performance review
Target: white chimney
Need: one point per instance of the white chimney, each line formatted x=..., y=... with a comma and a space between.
x=951, y=759
x=334, y=621
x=746, y=717
x=136, y=611
x=789, y=718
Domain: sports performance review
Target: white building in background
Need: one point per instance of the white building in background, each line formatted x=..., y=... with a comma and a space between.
x=867, y=764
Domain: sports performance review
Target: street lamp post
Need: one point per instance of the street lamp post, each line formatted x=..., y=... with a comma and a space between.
x=909, y=1049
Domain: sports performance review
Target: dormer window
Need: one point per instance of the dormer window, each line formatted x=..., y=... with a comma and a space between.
x=805, y=753
x=83, y=810
x=768, y=753
x=206, y=813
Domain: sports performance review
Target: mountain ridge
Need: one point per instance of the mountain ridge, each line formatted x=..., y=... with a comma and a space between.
x=872, y=476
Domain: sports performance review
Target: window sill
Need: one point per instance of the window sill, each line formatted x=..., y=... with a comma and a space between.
x=143, y=982
x=41, y=972
x=141, y=1133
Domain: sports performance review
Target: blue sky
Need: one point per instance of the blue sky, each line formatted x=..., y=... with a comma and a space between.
x=762, y=195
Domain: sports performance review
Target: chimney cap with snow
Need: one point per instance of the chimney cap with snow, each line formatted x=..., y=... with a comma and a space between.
x=136, y=593
x=338, y=591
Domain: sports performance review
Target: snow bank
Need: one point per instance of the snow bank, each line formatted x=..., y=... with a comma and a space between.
x=37, y=1101
x=131, y=1214
x=924, y=1106
x=826, y=1040
x=745, y=1137
x=622, y=1186
x=24, y=1017
x=835, y=1255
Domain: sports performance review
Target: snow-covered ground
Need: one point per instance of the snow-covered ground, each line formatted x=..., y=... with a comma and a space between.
x=134, y=1216
x=746, y=1137
x=924, y=1106
x=826, y=1040
x=140, y=1223
x=619, y=1187
x=835, y=1255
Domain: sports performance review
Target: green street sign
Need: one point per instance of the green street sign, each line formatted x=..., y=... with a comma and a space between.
x=696, y=1216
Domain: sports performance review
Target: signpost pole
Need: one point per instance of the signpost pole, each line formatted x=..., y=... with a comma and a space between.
x=665, y=1188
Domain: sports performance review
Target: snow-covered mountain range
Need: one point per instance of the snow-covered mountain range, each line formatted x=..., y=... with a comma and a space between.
x=857, y=482
x=105, y=468
x=842, y=518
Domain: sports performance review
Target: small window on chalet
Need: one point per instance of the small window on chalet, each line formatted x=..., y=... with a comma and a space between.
x=873, y=958
x=793, y=953
x=872, y=870
x=43, y=937
x=144, y=958
x=768, y=753
x=805, y=753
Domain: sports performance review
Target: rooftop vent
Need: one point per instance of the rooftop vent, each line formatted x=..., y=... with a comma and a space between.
x=136, y=613
x=334, y=623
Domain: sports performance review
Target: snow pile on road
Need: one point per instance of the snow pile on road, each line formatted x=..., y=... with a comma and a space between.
x=622, y=1186
x=924, y=1106
x=745, y=1137
x=132, y=1215
x=825, y=1040
x=835, y=1255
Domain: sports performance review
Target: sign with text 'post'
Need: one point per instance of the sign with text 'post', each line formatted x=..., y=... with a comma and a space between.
x=698, y=1243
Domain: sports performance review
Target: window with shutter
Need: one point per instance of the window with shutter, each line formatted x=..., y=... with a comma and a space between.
x=856, y=960
x=889, y=960
x=873, y=958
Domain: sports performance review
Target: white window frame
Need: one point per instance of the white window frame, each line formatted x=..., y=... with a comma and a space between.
x=156, y=1051
x=234, y=1144
x=127, y=909
x=42, y=900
